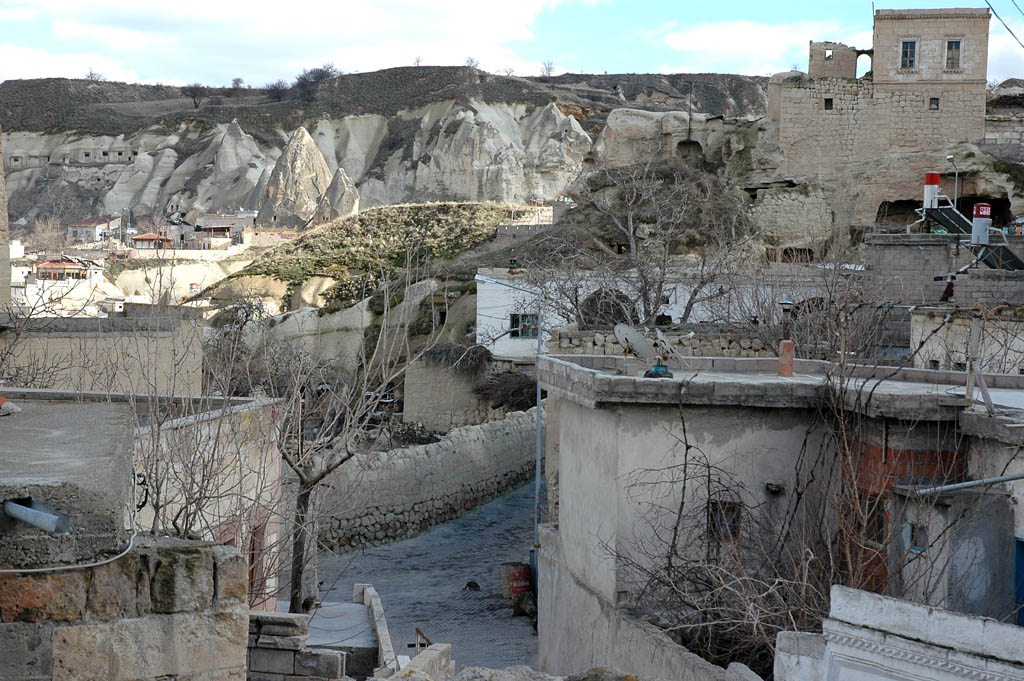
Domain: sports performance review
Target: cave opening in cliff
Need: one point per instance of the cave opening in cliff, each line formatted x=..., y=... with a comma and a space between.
x=689, y=149
x=902, y=212
x=1001, y=213
x=898, y=213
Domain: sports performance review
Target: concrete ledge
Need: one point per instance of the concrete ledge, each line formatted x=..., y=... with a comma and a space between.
x=963, y=633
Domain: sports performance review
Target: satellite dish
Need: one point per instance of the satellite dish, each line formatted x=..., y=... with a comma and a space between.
x=665, y=346
x=633, y=341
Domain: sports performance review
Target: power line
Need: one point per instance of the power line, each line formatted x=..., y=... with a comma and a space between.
x=1017, y=6
x=1008, y=29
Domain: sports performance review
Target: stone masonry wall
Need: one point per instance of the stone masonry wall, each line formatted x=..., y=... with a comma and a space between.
x=989, y=287
x=440, y=399
x=794, y=215
x=700, y=345
x=867, y=121
x=902, y=267
x=379, y=497
x=168, y=610
x=278, y=652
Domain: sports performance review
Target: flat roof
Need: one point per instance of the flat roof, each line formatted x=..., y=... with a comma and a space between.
x=901, y=393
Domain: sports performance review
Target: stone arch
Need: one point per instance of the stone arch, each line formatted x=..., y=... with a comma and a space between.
x=863, y=64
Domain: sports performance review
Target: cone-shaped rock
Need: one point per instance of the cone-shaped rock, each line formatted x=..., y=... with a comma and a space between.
x=340, y=200
x=300, y=178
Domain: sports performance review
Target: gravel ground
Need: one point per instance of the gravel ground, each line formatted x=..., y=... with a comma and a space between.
x=422, y=583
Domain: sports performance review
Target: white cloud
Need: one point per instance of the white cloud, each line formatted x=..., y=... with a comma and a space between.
x=259, y=41
x=30, y=62
x=1005, y=55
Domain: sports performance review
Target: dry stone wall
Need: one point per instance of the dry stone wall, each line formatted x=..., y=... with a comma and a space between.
x=168, y=610
x=380, y=497
x=699, y=345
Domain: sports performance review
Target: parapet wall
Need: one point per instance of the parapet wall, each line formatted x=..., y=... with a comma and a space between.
x=989, y=288
x=902, y=267
x=167, y=610
x=699, y=345
x=379, y=497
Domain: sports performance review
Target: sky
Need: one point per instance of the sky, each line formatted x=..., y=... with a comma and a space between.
x=214, y=41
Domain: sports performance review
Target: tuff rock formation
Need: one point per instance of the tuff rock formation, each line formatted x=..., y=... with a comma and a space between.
x=300, y=178
x=340, y=200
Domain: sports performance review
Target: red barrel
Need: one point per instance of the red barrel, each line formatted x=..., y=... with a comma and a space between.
x=931, y=178
x=515, y=579
x=982, y=210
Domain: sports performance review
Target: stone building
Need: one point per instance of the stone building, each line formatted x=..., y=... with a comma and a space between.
x=865, y=141
x=619, y=447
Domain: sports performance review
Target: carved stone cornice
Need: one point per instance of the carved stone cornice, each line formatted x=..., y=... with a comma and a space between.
x=890, y=650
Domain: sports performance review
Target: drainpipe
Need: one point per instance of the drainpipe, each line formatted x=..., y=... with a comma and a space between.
x=39, y=515
x=971, y=483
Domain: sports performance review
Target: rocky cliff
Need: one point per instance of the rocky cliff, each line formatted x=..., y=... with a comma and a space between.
x=398, y=135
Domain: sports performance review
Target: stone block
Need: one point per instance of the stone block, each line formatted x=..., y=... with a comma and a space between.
x=182, y=580
x=274, y=661
x=264, y=676
x=281, y=642
x=27, y=651
x=231, y=576
x=320, y=662
x=113, y=590
x=52, y=597
x=150, y=647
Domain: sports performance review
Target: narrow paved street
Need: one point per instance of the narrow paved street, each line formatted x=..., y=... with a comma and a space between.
x=422, y=583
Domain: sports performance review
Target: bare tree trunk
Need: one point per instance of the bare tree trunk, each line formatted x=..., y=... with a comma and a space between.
x=299, y=600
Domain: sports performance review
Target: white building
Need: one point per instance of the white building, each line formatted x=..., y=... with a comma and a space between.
x=93, y=229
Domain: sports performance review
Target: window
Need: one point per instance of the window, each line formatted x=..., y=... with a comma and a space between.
x=86, y=155
x=952, y=55
x=959, y=366
x=934, y=364
x=724, y=520
x=523, y=325
x=104, y=154
x=918, y=538
x=828, y=55
x=828, y=104
x=120, y=153
x=933, y=104
x=908, y=55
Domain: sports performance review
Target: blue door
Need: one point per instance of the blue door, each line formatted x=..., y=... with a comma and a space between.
x=1018, y=579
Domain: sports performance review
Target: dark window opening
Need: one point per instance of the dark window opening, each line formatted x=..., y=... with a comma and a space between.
x=828, y=104
x=918, y=538
x=103, y=153
x=689, y=149
x=120, y=153
x=86, y=155
x=959, y=366
x=952, y=55
x=440, y=316
x=523, y=325
x=908, y=55
x=724, y=520
x=619, y=249
x=663, y=320
x=933, y=104
x=828, y=55
x=934, y=364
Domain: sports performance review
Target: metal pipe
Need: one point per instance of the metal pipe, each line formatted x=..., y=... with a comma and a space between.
x=969, y=483
x=39, y=515
x=537, y=470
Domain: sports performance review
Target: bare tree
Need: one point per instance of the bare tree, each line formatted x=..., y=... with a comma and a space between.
x=417, y=61
x=643, y=237
x=547, y=69
x=196, y=92
x=236, y=86
x=94, y=75
x=276, y=90
x=472, y=62
x=308, y=82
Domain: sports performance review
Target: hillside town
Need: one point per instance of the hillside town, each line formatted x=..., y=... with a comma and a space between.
x=434, y=373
